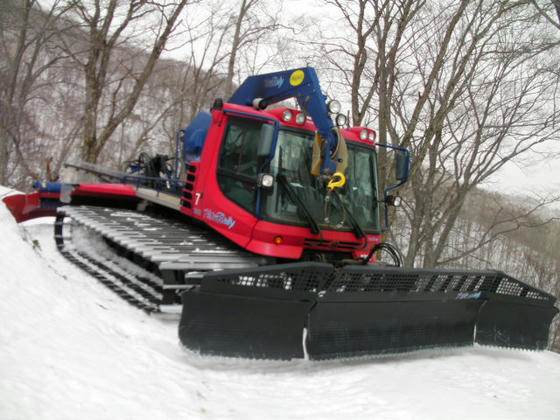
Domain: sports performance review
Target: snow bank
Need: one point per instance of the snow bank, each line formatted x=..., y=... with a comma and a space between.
x=71, y=349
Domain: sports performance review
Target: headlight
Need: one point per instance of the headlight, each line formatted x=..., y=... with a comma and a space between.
x=300, y=118
x=364, y=134
x=340, y=120
x=393, y=200
x=259, y=103
x=371, y=136
x=334, y=106
x=287, y=115
x=265, y=180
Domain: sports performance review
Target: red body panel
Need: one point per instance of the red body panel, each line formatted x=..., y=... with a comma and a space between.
x=209, y=204
x=105, y=190
x=27, y=206
x=31, y=206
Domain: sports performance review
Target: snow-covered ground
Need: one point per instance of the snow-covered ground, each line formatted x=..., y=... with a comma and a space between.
x=71, y=349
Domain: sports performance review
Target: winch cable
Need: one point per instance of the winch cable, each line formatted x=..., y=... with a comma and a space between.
x=390, y=249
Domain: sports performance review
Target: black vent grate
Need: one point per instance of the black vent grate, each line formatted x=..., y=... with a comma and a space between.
x=189, y=187
x=300, y=277
x=316, y=242
x=318, y=277
x=324, y=243
x=383, y=279
x=301, y=281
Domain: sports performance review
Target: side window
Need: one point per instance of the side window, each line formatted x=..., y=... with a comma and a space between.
x=360, y=187
x=238, y=162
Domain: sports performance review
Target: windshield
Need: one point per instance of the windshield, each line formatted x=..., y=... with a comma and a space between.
x=357, y=199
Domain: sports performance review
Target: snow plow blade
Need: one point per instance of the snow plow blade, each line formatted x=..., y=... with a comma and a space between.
x=28, y=206
x=312, y=310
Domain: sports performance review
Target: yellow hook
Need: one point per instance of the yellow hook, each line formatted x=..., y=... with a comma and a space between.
x=337, y=181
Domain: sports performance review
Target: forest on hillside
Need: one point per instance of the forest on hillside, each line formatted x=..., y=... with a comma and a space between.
x=466, y=85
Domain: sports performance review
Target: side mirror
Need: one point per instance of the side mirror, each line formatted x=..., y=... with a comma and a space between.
x=267, y=138
x=401, y=170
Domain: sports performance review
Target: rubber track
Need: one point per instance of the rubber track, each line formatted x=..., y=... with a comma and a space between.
x=141, y=288
x=107, y=276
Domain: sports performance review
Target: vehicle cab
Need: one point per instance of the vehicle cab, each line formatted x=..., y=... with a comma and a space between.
x=253, y=182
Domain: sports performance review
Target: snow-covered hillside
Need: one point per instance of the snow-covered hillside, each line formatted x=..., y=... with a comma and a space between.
x=71, y=349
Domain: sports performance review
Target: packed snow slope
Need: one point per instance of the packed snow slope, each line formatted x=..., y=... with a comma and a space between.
x=71, y=349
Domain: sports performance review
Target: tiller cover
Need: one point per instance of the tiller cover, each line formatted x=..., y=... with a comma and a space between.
x=312, y=310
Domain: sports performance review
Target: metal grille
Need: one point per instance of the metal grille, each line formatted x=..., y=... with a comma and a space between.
x=316, y=242
x=303, y=277
x=509, y=286
x=189, y=186
x=317, y=277
x=324, y=243
x=286, y=281
x=384, y=279
x=399, y=281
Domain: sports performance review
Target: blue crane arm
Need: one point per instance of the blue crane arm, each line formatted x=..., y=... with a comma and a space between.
x=302, y=84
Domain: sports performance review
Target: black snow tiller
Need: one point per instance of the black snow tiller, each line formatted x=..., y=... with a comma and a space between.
x=309, y=309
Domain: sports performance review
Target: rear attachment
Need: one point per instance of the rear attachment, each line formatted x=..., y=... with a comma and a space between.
x=359, y=310
x=145, y=260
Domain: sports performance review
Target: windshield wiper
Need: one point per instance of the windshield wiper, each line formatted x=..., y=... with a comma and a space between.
x=313, y=225
x=355, y=225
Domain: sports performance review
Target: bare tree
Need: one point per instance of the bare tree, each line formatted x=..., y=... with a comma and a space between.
x=27, y=63
x=215, y=39
x=206, y=55
x=490, y=106
x=360, y=76
x=252, y=22
x=108, y=25
x=142, y=130
x=458, y=85
x=550, y=11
